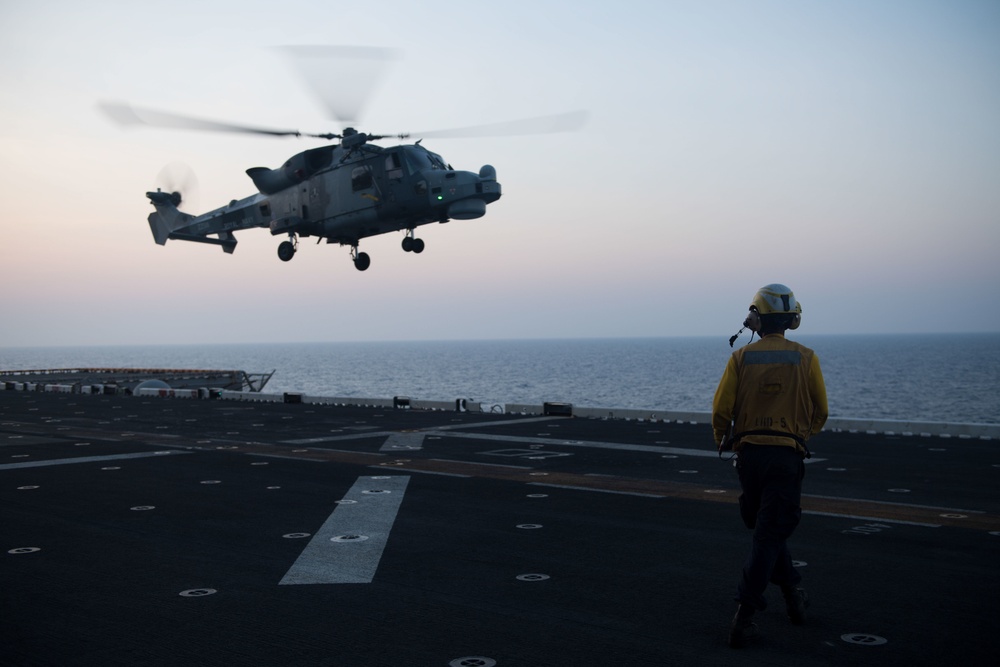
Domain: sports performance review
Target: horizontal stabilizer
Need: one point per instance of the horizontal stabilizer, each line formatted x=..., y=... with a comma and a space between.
x=226, y=240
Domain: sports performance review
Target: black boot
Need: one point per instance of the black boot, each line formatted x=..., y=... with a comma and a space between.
x=743, y=628
x=796, y=603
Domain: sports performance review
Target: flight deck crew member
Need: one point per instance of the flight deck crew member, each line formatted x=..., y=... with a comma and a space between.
x=770, y=400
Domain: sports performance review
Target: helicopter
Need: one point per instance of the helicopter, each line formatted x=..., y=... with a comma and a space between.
x=341, y=193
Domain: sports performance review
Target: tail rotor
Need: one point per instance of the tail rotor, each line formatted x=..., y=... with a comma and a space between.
x=180, y=185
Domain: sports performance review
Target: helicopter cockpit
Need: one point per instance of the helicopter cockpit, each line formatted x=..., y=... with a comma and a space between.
x=419, y=158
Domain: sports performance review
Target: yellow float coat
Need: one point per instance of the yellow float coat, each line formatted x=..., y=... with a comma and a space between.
x=770, y=388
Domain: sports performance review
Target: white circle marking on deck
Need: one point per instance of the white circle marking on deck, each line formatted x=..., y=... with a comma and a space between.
x=473, y=661
x=863, y=639
x=197, y=592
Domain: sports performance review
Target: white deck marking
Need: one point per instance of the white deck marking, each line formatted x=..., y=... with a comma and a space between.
x=592, y=444
x=393, y=434
x=364, y=525
x=404, y=442
x=880, y=519
x=335, y=438
x=87, y=459
x=413, y=440
x=590, y=488
x=504, y=422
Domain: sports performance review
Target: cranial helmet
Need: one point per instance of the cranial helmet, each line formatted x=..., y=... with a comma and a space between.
x=774, y=299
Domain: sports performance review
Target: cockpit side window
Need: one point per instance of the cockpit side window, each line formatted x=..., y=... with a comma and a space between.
x=393, y=167
x=361, y=178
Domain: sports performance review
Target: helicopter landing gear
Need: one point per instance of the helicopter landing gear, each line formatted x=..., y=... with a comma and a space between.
x=286, y=250
x=361, y=259
x=411, y=244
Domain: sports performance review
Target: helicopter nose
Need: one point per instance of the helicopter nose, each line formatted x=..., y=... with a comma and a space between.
x=467, y=209
x=463, y=195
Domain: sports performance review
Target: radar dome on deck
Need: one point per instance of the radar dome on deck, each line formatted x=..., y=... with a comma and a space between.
x=152, y=384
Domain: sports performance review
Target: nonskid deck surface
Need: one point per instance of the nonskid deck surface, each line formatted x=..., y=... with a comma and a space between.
x=166, y=531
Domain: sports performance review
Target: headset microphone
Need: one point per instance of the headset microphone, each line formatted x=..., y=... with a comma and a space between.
x=733, y=338
x=752, y=322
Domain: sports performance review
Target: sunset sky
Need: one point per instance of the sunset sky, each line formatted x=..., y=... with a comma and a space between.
x=848, y=149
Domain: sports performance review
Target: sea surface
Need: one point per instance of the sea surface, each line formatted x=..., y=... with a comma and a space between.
x=940, y=377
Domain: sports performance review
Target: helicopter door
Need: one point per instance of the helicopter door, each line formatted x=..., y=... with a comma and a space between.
x=392, y=179
x=361, y=179
x=360, y=193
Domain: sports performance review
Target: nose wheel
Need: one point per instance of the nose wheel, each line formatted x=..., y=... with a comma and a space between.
x=361, y=259
x=286, y=250
x=411, y=244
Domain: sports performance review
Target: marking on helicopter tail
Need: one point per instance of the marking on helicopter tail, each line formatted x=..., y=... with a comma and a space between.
x=348, y=547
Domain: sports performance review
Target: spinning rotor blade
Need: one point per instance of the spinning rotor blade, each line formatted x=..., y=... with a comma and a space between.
x=343, y=78
x=564, y=122
x=127, y=115
x=179, y=178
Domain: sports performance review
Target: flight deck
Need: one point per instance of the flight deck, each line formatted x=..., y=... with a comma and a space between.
x=150, y=530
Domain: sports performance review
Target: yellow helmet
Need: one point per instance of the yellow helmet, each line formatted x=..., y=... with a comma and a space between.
x=774, y=299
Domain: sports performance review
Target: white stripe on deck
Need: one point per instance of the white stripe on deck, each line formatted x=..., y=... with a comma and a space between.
x=404, y=442
x=87, y=459
x=348, y=546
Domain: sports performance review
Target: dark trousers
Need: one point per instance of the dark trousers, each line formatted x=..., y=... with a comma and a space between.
x=771, y=477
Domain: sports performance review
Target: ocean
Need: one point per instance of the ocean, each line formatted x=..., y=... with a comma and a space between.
x=941, y=377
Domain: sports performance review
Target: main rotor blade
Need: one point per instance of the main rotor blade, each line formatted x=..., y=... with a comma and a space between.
x=564, y=122
x=126, y=115
x=342, y=78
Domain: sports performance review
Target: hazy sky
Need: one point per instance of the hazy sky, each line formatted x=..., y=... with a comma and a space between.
x=848, y=149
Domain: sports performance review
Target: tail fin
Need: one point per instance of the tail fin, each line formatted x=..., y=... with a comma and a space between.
x=166, y=218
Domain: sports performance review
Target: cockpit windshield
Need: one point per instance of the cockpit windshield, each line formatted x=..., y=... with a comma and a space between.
x=417, y=158
x=436, y=160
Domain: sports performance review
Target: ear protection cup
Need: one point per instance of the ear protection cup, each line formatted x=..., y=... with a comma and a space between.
x=752, y=322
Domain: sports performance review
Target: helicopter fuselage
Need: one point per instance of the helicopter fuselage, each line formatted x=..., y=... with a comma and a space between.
x=342, y=194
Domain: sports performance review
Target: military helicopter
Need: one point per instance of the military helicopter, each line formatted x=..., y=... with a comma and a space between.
x=343, y=192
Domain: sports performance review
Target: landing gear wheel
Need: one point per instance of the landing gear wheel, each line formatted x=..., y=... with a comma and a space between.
x=286, y=250
x=362, y=261
x=418, y=246
x=407, y=244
